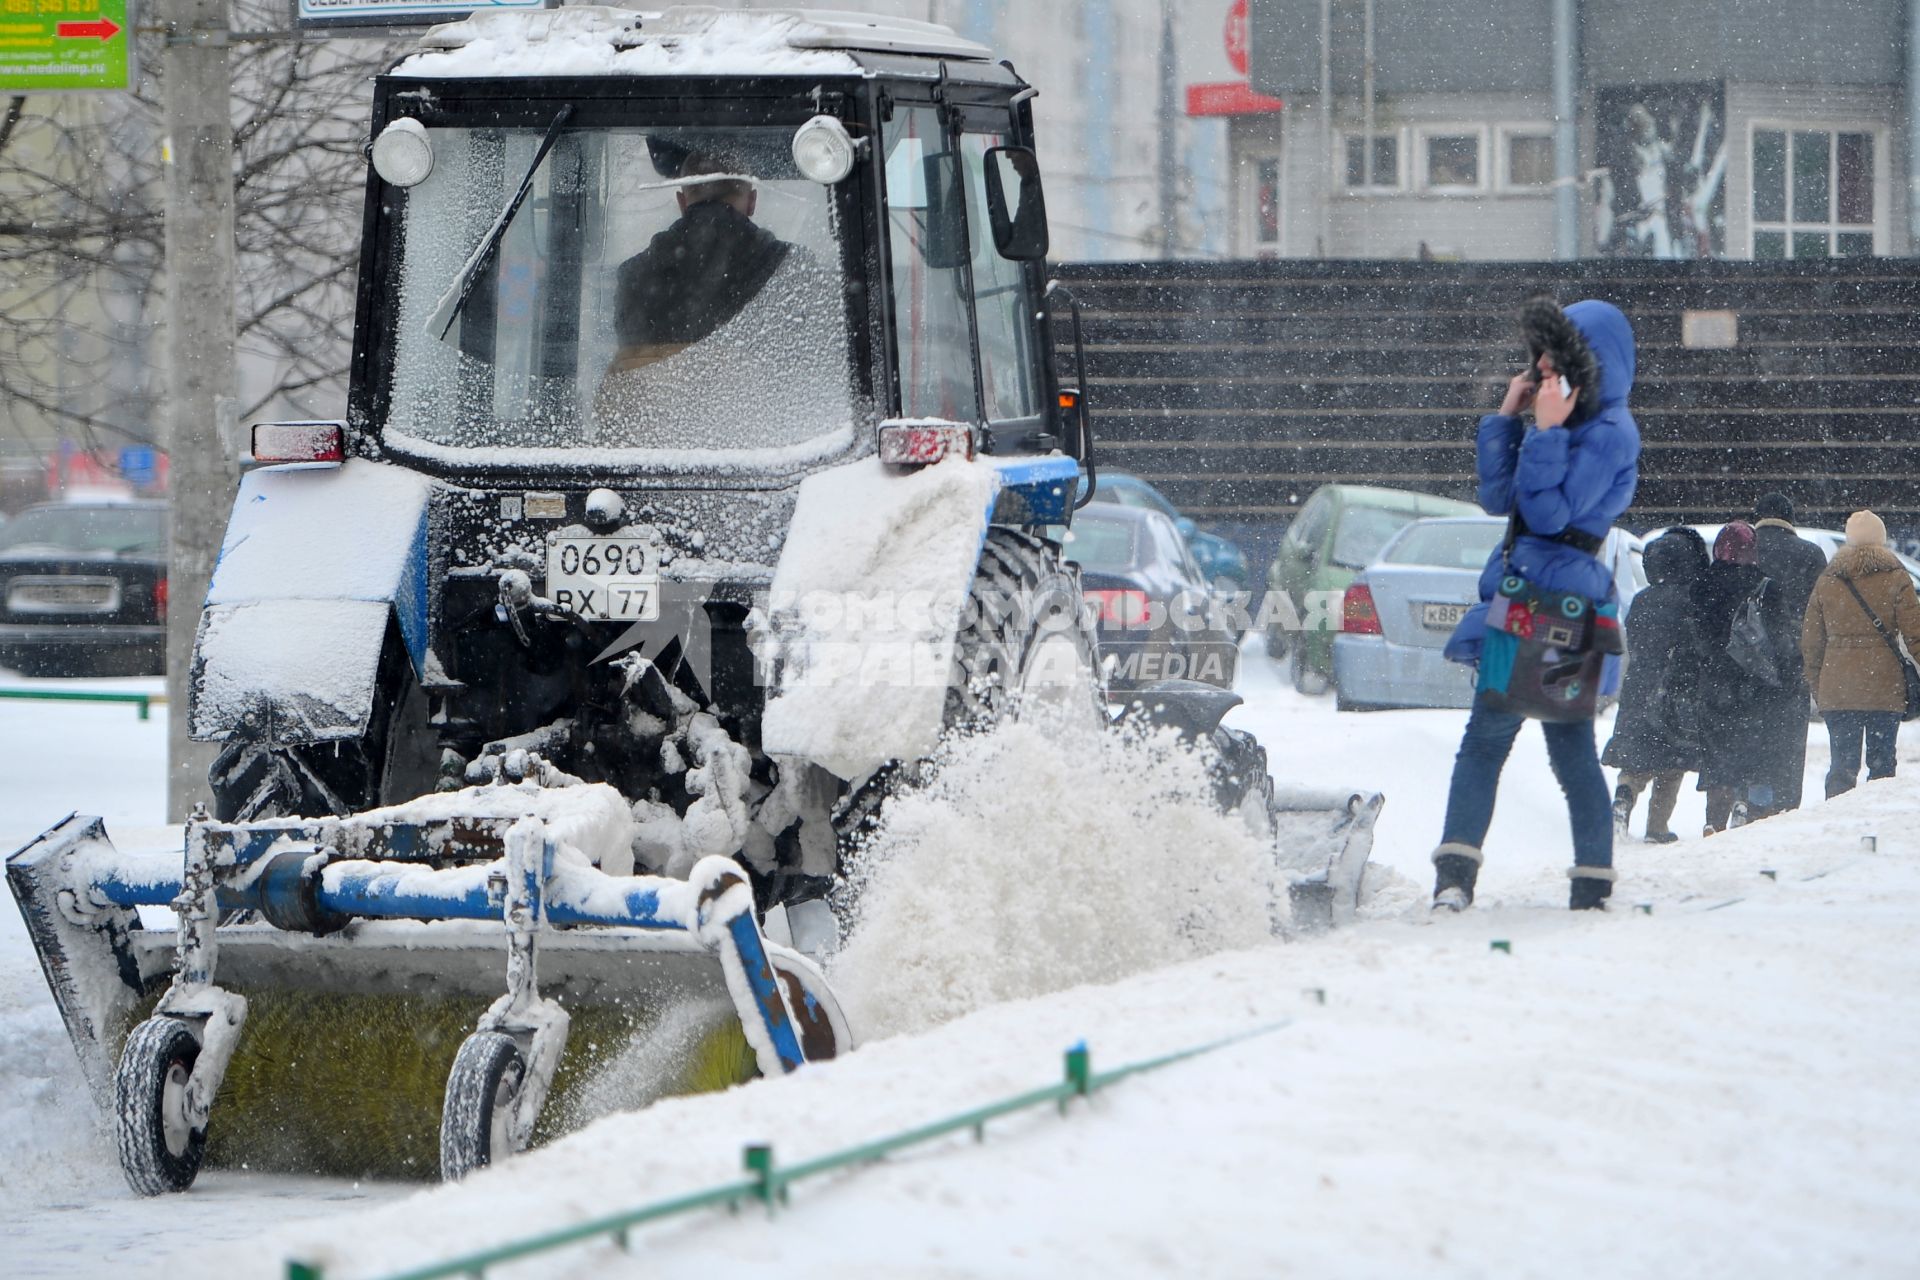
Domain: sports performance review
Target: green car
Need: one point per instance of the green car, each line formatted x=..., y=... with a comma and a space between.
x=1337, y=533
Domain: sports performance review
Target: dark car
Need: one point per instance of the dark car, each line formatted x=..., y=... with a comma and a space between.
x=1156, y=617
x=83, y=589
x=1218, y=557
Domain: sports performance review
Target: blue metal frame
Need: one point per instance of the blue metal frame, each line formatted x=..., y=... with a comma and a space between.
x=331, y=871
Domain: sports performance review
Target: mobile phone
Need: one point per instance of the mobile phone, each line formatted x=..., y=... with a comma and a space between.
x=1566, y=389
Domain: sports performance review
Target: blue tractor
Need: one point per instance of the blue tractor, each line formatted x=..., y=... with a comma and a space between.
x=701, y=452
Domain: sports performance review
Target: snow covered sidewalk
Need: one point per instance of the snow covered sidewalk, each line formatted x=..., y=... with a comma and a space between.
x=1722, y=1087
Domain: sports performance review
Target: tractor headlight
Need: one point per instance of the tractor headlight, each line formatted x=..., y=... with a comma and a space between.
x=402, y=154
x=822, y=150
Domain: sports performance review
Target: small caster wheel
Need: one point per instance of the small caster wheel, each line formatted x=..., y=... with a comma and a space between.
x=482, y=1088
x=160, y=1151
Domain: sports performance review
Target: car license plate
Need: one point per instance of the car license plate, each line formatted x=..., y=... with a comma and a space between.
x=615, y=579
x=57, y=595
x=1438, y=616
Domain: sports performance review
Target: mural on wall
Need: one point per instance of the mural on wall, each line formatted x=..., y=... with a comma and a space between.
x=1659, y=190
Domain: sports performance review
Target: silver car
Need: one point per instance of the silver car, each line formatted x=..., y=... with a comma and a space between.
x=1400, y=610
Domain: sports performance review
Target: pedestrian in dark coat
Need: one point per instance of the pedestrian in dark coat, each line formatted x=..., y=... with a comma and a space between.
x=1856, y=678
x=1563, y=480
x=1656, y=735
x=1794, y=564
x=1735, y=704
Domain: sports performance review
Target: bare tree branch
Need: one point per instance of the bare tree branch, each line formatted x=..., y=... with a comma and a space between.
x=82, y=239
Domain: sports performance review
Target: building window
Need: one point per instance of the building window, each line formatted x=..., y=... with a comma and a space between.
x=1526, y=159
x=1453, y=160
x=1386, y=162
x=1266, y=201
x=1813, y=193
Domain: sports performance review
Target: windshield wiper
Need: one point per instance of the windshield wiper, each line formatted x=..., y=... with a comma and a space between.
x=454, y=300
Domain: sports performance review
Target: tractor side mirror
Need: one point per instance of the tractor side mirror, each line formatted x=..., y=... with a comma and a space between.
x=1022, y=234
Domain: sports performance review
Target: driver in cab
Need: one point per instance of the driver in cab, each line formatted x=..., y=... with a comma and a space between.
x=697, y=274
x=717, y=313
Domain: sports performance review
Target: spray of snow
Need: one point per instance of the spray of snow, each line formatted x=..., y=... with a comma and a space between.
x=639, y=1073
x=1035, y=859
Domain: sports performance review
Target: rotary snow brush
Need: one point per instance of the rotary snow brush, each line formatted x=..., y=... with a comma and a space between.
x=427, y=987
x=353, y=1085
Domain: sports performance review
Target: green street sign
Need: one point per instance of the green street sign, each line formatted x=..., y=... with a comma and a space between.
x=64, y=44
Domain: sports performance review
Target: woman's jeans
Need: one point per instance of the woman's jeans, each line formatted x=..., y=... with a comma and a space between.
x=1570, y=749
x=1845, y=729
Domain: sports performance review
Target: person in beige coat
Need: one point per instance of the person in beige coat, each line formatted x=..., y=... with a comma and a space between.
x=1856, y=678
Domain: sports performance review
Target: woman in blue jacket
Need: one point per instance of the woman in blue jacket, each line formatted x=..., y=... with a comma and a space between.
x=1565, y=479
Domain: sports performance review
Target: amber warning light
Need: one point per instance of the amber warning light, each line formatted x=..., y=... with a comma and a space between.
x=279, y=443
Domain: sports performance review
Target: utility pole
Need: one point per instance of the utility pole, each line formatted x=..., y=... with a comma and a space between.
x=1566, y=135
x=201, y=385
x=1169, y=145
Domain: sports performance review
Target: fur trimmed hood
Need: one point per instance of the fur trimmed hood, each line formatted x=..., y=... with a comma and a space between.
x=1591, y=343
x=1856, y=562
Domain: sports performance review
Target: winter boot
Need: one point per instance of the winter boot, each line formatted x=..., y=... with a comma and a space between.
x=1661, y=837
x=1455, y=868
x=1622, y=810
x=1592, y=886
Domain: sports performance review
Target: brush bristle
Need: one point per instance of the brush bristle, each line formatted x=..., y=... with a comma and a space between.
x=352, y=1086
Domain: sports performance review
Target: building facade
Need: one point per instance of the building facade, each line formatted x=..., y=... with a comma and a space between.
x=1104, y=114
x=1525, y=129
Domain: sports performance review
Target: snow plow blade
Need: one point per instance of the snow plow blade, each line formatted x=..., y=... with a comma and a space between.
x=1327, y=837
x=329, y=989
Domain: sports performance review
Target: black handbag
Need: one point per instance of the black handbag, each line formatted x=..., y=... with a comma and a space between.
x=1748, y=643
x=1912, y=677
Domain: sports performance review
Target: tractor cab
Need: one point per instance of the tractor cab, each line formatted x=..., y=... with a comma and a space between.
x=697, y=244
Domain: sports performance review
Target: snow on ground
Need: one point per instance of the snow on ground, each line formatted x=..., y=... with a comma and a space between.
x=1721, y=1087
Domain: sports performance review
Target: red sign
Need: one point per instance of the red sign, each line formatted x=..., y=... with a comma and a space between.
x=1236, y=36
x=1235, y=98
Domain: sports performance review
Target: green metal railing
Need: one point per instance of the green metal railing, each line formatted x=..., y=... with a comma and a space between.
x=144, y=701
x=767, y=1182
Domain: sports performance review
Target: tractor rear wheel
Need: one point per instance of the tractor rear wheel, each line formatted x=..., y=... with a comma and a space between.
x=1026, y=639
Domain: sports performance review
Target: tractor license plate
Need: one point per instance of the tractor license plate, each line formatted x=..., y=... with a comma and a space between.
x=1440, y=616
x=614, y=579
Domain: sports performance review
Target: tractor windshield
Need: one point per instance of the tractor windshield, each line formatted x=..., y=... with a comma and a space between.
x=665, y=296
